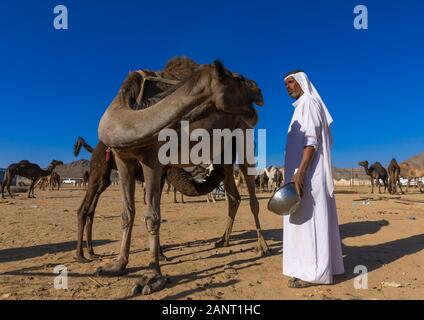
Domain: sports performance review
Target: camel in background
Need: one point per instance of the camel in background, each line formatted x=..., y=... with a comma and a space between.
x=27, y=170
x=394, y=177
x=411, y=171
x=376, y=172
x=275, y=178
x=42, y=183
x=54, y=181
x=85, y=179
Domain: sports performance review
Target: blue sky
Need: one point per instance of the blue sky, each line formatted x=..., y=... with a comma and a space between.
x=55, y=85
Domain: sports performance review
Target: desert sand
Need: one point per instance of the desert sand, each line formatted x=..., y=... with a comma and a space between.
x=384, y=234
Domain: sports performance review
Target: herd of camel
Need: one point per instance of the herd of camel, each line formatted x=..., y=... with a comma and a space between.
x=210, y=97
x=391, y=177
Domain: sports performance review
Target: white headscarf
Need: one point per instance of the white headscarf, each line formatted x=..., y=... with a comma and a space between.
x=309, y=89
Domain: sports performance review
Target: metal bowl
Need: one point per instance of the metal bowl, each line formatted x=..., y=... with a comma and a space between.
x=285, y=200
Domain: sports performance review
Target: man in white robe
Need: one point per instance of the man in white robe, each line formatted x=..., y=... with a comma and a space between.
x=312, y=251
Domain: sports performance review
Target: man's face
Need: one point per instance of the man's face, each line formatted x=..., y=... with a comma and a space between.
x=293, y=88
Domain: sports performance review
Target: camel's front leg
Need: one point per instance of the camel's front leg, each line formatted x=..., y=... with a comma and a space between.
x=127, y=175
x=262, y=247
x=233, y=204
x=400, y=185
x=31, y=189
x=152, y=280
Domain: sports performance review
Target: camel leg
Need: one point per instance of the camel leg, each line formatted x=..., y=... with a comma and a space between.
x=144, y=192
x=233, y=205
x=31, y=189
x=126, y=170
x=175, y=195
x=262, y=247
x=407, y=184
x=152, y=280
x=89, y=226
x=98, y=182
x=400, y=185
x=182, y=198
x=6, y=183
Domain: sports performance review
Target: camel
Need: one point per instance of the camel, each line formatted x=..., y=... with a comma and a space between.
x=27, y=170
x=85, y=179
x=211, y=98
x=275, y=178
x=411, y=171
x=42, y=183
x=394, y=177
x=54, y=181
x=377, y=172
x=262, y=181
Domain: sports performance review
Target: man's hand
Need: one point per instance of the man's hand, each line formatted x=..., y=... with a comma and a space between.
x=299, y=180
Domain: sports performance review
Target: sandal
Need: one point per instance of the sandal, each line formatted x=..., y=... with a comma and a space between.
x=296, y=283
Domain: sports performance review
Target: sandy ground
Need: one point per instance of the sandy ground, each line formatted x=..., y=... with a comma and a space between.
x=36, y=235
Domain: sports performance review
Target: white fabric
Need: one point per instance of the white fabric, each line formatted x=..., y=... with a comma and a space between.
x=311, y=240
x=309, y=89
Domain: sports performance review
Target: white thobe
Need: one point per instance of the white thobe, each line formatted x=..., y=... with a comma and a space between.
x=311, y=238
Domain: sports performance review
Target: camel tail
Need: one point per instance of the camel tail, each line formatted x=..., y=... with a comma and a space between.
x=79, y=144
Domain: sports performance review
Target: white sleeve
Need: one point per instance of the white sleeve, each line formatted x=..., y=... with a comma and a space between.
x=311, y=124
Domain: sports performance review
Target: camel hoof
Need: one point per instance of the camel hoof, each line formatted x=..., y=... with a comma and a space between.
x=149, y=284
x=137, y=290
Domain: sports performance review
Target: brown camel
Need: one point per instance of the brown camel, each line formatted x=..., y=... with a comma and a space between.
x=411, y=172
x=54, y=181
x=27, y=170
x=177, y=69
x=211, y=98
x=85, y=179
x=101, y=165
x=42, y=183
x=377, y=172
x=394, y=177
x=174, y=190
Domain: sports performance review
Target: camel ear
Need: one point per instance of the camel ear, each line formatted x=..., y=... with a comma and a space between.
x=219, y=69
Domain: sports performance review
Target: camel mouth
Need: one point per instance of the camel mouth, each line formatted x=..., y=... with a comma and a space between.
x=260, y=103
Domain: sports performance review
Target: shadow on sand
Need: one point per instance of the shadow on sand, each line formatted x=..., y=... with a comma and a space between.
x=22, y=253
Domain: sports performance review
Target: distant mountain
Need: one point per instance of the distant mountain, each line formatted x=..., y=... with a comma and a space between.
x=74, y=169
x=77, y=169
x=417, y=160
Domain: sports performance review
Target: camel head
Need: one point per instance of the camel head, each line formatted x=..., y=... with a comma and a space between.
x=210, y=84
x=363, y=164
x=56, y=163
x=236, y=94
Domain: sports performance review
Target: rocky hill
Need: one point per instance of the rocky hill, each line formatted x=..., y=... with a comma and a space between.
x=74, y=169
x=417, y=160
